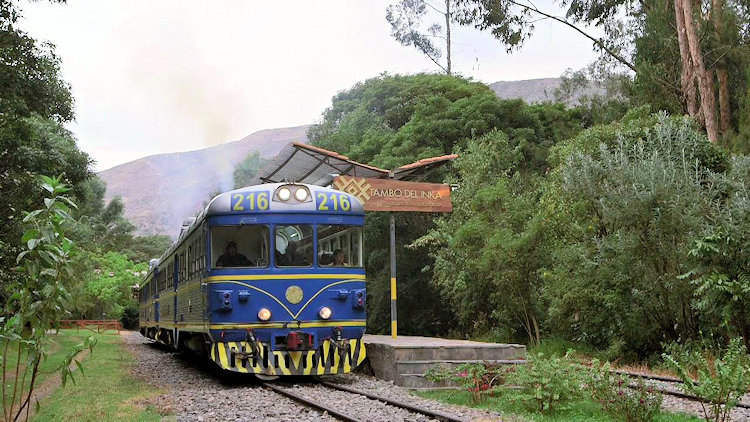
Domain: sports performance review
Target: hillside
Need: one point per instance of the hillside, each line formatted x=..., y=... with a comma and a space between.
x=538, y=90
x=161, y=190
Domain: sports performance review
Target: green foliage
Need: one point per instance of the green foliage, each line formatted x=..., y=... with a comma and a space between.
x=108, y=288
x=102, y=225
x=246, y=170
x=37, y=299
x=145, y=248
x=721, y=382
x=34, y=103
x=477, y=378
x=635, y=207
x=548, y=384
x=722, y=256
x=620, y=400
x=394, y=120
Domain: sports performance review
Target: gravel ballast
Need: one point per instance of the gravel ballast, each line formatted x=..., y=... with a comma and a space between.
x=195, y=390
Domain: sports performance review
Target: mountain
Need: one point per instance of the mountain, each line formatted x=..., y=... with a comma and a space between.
x=160, y=191
x=539, y=90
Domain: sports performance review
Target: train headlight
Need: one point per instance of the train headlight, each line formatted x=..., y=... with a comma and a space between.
x=300, y=194
x=284, y=194
x=264, y=314
x=325, y=312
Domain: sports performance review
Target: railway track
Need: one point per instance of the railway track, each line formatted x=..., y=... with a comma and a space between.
x=672, y=392
x=311, y=400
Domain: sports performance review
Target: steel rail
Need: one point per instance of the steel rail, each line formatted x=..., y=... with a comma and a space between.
x=446, y=417
x=667, y=391
x=310, y=403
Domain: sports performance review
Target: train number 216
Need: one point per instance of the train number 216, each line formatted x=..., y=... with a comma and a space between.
x=333, y=201
x=250, y=201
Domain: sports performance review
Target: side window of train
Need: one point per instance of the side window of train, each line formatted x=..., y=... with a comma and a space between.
x=339, y=246
x=240, y=246
x=294, y=245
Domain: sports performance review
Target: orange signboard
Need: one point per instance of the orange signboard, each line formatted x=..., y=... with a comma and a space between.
x=396, y=195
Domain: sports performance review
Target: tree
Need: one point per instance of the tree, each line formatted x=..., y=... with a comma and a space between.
x=705, y=49
x=394, y=120
x=636, y=197
x=722, y=258
x=34, y=103
x=406, y=17
x=246, y=170
x=109, y=286
x=101, y=225
x=37, y=300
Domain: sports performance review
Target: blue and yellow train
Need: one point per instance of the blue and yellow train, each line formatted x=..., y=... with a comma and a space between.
x=267, y=280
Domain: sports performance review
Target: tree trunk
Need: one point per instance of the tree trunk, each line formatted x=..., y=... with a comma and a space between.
x=722, y=76
x=687, y=76
x=448, y=35
x=725, y=119
x=705, y=79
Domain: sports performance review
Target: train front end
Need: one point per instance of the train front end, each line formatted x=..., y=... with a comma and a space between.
x=285, y=293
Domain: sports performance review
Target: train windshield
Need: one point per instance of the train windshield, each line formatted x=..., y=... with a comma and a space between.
x=339, y=246
x=294, y=245
x=240, y=246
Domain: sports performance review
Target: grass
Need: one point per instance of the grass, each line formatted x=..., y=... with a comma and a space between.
x=106, y=392
x=583, y=411
x=57, y=349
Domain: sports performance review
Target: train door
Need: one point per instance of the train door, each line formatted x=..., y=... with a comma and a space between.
x=154, y=290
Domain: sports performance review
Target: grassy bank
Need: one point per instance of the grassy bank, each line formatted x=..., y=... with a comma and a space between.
x=507, y=404
x=106, y=392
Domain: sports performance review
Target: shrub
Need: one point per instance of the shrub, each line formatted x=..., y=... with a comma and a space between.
x=478, y=379
x=619, y=399
x=548, y=383
x=721, y=382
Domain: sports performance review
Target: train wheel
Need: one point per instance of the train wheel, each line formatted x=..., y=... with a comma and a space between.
x=266, y=378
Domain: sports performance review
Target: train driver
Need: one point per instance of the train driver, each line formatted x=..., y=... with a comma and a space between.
x=231, y=258
x=292, y=258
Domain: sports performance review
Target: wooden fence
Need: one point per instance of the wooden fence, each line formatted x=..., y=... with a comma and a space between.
x=100, y=324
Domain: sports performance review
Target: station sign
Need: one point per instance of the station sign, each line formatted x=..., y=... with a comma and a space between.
x=396, y=195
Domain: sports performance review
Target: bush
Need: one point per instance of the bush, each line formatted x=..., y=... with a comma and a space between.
x=549, y=383
x=721, y=381
x=478, y=379
x=619, y=399
x=129, y=318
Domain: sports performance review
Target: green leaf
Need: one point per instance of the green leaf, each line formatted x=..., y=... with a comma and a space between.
x=33, y=243
x=80, y=367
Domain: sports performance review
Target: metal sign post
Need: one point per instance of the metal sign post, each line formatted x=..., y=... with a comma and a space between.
x=394, y=312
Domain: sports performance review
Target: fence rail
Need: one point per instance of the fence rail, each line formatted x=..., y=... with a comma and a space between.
x=100, y=324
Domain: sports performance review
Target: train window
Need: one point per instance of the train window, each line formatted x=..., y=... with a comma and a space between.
x=339, y=246
x=294, y=245
x=240, y=246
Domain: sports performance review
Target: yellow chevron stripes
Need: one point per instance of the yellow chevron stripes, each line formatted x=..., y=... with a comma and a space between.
x=326, y=360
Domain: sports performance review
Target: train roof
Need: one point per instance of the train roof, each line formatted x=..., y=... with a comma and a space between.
x=221, y=204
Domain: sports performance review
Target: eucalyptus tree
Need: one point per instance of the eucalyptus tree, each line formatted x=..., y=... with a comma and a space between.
x=406, y=18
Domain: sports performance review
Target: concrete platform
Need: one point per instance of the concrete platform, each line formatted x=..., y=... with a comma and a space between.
x=404, y=360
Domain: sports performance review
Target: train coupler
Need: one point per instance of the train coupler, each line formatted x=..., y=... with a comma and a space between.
x=342, y=345
x=250, y=352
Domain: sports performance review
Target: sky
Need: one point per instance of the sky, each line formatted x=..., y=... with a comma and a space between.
x=151, y=77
